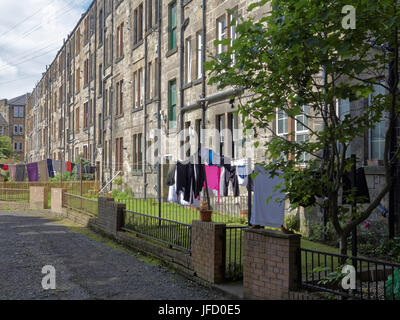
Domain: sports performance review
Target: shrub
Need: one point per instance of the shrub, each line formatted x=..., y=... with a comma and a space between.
x=292, y=222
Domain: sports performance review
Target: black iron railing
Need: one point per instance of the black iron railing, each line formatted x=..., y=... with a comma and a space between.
x=172, y=233
x=322, y=271
x=234, y=236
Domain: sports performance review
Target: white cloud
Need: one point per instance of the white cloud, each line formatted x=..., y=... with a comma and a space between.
x=26, y=48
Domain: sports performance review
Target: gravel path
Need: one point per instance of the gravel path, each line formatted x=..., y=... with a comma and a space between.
x=85, y=268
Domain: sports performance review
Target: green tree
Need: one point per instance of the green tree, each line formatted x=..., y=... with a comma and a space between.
x=6, y=150
x=298, y=54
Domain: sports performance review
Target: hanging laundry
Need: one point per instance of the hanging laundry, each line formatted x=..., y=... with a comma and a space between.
x=242, y=170
x=43, y=170
x=69, y=166
x=12, y=169
x=56, y=166
x=171, y=175
x=64, y=166
x=33, y=172
x=265, y=213
x=50, y=168
x=184, y=177
x=362, y=192
x=230, y=176
x=20, y=173
x=213, y=175
x=209, y=156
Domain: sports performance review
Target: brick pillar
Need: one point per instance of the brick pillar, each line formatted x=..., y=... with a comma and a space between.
x=110, y=215
x=269, y=264
x=38, y=197
x=57, y=199
x=208, y=258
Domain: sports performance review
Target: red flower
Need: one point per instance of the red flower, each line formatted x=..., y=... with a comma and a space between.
x=367, y=224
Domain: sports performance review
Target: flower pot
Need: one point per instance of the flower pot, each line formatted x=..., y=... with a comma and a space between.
x=244, y=213
x=205, y=215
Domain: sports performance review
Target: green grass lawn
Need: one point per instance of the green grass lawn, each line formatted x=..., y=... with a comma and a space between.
x=175, y=212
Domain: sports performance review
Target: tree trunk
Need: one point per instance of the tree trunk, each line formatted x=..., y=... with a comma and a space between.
x=343, y=248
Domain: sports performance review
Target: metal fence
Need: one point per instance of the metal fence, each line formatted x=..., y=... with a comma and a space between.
x=82, y=204
x=322, y=271
x=228, y=210
x=14, y=194
x=233, y=252
x=171, y=233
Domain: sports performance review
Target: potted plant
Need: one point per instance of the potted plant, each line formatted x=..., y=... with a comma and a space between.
x=205, y=212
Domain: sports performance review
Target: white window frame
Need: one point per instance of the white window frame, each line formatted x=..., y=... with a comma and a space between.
x=380, y=124
x=188, y=60
x=304, y=132
x=221, y=33
x=199, y=39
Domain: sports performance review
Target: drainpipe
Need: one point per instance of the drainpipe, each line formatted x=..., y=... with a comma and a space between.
x=159, y=100
x=181, y=74
x=203, y=71
x=103, y=90
x=95, y=88
x=111, y=89
x=145, y=111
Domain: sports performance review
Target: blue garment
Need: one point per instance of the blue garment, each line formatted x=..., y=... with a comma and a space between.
x=50, y=168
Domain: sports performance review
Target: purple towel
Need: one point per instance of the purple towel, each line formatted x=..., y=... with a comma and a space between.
x=33, y=172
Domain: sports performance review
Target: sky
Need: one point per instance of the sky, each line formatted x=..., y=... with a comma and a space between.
x=31, y=33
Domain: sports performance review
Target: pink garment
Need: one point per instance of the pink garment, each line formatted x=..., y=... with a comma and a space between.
x=213, y=174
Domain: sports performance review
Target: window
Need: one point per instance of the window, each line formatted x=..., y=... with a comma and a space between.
x=86, y=30
x=78, y=41
x=86, y=115
x=149, y=14
x=221, y=128
x=99, y=135
x=86, y=73
x=18, y=112
x=85, y=152
x=120, y=41
x=232, y=31
x=105, y=153
x=172, y=104
x=137, y=153
x=21, y=129
x=78, y=79
x=233, y=126
x=105, y=97
x=377, y=134
x=149, y=93
x=59, y=128
x=119, y=154
x=119, y=97
x=343, y=110
x=302, y=131
x=20, y=146
x=1, y=131
x=282, y=124
x=138, y=88
x=138, y=24
x=100, y=27
x=100, y=79
x=172, y=25
x=77, y=115
x=199, y=56
x=221, y=33
x=15, y=129
x=188, y=62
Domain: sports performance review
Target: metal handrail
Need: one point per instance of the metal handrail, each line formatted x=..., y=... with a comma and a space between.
x=113, y=178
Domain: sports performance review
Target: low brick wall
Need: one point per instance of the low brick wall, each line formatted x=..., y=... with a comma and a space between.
x=269, y=264
x=208, y=240
x=110, y=217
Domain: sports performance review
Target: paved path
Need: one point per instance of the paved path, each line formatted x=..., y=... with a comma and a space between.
x=85, y=268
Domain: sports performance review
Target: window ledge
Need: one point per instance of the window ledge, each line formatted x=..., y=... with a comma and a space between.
x=197, y=81
x=137, y=44
x=187, y=85
x=171, y=52
x=137, y=173
x=119, y=59
x=119, y=116
x=137, y=109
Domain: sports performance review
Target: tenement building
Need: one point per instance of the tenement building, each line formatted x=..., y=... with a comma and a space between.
x=12, y=123
x=131, y=69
